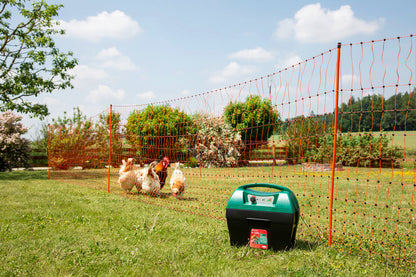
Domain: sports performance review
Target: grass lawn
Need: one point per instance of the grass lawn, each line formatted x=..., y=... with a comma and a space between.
x=52, y=228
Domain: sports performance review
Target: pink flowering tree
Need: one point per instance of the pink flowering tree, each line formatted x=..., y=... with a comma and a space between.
x=14, y=150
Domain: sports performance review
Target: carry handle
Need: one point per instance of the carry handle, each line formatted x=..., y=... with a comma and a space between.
x=265, y=185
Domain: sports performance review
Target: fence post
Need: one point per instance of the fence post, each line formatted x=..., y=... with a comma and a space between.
x=49, y=151
x=199, y=155
x=109, y=151
x=274, y=127
x=334, y=147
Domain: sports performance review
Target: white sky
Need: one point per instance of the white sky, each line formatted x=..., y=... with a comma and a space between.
x=137, y=52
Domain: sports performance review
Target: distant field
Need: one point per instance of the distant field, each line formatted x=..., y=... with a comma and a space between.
x=407, y=141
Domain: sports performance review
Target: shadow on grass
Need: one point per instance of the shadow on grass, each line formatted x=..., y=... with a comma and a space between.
x=77, y=175
x=24, y=175
x=163, y=195
x=306, y=245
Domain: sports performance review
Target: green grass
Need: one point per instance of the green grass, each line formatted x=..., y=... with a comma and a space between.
x=372, y=208
x=399, y=139
x=51, y=228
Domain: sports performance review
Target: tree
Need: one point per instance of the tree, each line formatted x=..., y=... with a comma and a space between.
x=30, y=62
x=255, y=119
x=159, y=130
x=14, y=150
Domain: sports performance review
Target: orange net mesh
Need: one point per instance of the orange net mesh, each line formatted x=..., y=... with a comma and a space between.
x=277, y=129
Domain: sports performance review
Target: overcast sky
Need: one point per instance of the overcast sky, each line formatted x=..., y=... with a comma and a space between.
x=137, y=52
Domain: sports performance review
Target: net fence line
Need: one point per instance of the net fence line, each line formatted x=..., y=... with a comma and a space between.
x=278, y=129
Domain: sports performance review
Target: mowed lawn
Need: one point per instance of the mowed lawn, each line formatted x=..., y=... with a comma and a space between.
x=51, y=228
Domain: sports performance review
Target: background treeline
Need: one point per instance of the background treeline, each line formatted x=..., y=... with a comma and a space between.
x=371, y=113
x=375, y=113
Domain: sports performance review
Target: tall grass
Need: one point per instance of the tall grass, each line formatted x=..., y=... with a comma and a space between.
x=51, y=228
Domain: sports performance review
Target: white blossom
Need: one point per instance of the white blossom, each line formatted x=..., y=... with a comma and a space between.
x=14, y=148
x=218, y=144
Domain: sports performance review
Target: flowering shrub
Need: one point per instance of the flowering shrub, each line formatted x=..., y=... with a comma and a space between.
x=71, y=141
x=14, y=150
x=218, y=144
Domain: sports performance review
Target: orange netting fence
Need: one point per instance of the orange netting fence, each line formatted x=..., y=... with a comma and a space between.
x=355, y=183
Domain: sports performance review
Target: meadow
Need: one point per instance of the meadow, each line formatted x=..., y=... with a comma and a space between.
x=56, y=228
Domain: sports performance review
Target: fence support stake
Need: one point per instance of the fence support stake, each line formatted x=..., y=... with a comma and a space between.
x=49, y=151
x=109, y=151
x=334, y=148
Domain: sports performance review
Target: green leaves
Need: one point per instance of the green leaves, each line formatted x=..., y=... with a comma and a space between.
x=158, y=129
x=254, y=118
x=357, y=149
x=30, y=62
x=375, y=113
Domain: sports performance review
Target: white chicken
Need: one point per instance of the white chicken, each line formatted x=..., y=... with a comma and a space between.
x=177, y=181
x=127, y=179
x=148, y=180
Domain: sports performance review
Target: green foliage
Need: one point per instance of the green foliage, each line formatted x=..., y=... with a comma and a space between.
x=103, y=139
x=307, y=141
x=76, y=118
x=361, y=149
x=218, y=145
x=301, y=135
x=159, y=130
x=30, y=62
x=71, y=139
x=14, y=150
x=374, y=113
x=192, y=162
x=255, y=119
x=76, y=141
x=40, y=144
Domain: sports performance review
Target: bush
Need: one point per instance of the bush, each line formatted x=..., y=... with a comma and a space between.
x=14, y=150
x=192, y=162
x=218, y=145
x=307, y=141
x=254, y=119
x=159, y=130
x=72, y=141
x=358, y=149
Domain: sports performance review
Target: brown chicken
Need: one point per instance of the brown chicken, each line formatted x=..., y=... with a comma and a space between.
x=162, y=170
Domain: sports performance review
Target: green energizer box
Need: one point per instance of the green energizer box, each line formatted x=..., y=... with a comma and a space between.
x=263, y=219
